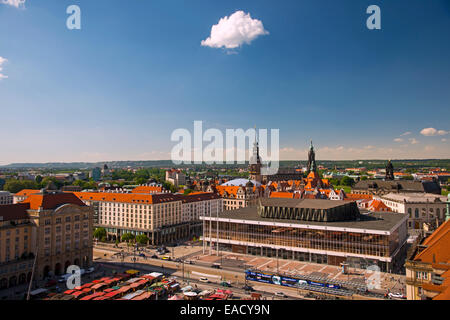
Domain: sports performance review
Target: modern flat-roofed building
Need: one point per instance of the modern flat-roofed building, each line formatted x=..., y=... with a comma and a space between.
x=163, y=217
x=320, y=231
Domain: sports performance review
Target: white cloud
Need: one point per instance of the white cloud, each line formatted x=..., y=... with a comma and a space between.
x=429, y=132
x=2, y=61
x=413, y=141
x=14, y=3
x=233, y=31
x=405, y=134
x=398, y=139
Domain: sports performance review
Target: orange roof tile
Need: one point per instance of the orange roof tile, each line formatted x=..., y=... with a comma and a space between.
x=146, y=189
x=143, y=198
x=289, y=195
x=51, y=200
x=27, y=192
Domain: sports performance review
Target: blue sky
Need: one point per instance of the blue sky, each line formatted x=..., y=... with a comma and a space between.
x=136, y=71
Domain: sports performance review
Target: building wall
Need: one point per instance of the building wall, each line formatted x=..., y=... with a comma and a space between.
x=15, y=246
x=161, y=222
x=6, y=197
x=418, y=212
x=63, y=238
x=295, y=241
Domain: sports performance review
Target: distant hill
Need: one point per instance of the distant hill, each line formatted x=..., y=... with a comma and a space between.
x=369, y=164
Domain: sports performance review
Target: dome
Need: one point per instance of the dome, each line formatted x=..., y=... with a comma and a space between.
x=241, y=182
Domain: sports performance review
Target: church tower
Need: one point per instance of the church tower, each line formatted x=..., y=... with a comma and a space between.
x=255, y=164
x=311, y=160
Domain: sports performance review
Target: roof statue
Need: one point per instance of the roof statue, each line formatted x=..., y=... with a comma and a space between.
x=389, y=171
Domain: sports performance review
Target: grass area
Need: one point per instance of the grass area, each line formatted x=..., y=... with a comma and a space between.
x=346, y=189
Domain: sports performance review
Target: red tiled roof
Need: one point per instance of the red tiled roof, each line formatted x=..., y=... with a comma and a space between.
x=52, y=200
x=437, y=253
x=143, y=198
x=146, y=189
x=16, y=211
x=27, y=192
x=356, y=196
x=289, y=195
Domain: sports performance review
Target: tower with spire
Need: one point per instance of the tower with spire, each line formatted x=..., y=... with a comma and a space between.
x=311, y=159
x=255, y=162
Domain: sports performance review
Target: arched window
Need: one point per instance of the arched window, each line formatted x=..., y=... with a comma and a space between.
x=416, y=213
x=410, y=212
x=438, y=213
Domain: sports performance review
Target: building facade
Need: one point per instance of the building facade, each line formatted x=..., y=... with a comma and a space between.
x=163, y=218
x=62, y=236
x=421, y=208
x=176, y=177
x=428, y=267
x=6, y=197
x=319, y=231
x=54, y=230
x=16, y=257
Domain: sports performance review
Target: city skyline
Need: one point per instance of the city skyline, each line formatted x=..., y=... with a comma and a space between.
x=137, y=71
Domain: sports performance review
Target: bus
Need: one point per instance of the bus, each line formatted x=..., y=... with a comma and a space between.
x=294, y=282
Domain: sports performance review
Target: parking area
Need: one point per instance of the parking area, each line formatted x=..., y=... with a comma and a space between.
x=388, y=282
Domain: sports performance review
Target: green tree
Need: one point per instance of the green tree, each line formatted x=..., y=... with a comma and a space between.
x=347, y=181
x=15, y=186
x=142, y=239
x=168, y=186
x=187, y=191
x=100, y=233
x=38, y=179
x=140, y=180
x=127, y=237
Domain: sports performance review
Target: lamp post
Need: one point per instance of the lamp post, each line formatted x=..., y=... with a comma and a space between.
x=182, y=261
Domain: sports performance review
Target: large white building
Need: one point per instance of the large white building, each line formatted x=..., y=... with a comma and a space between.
x=421, y=208
x=6, y=197
x=176, y=177
x=164, y=217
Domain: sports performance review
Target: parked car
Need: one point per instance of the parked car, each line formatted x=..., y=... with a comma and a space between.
x=204, y=279
x=178, y=260
x=142, y=255
x=396, y=295
x=154, y=256
x=280, y=294
x=90, y=270
x=225, y=284
x=216, y=266
x=248, y=288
